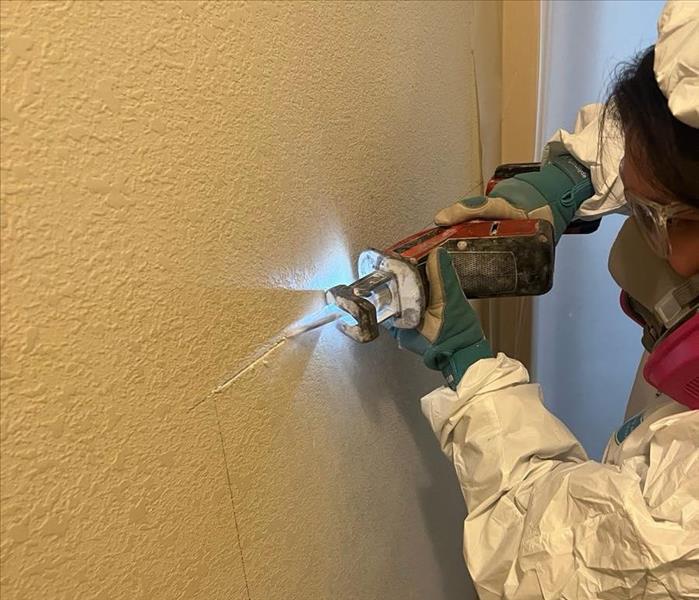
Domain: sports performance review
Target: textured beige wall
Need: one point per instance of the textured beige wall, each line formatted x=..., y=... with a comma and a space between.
x=177, y=179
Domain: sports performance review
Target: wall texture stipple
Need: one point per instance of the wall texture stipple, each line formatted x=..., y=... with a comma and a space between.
x=178, y=181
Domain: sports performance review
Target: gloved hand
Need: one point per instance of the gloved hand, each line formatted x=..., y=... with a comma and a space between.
x=553, y=193
x=449, y=337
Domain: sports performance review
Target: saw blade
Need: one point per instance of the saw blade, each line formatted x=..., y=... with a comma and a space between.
x=324, y=316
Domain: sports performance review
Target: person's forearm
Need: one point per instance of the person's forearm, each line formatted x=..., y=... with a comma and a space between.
x=601, y=152
x=497, y=431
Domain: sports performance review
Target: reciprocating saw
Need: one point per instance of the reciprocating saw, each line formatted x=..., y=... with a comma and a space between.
x=491, y=258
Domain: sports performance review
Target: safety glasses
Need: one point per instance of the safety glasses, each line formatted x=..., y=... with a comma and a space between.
x=652, y=217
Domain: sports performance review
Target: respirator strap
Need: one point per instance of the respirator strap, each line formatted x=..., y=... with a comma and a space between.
x=674, y=306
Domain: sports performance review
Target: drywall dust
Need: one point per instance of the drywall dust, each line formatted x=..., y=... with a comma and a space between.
x=260, y=359
x=265, y=351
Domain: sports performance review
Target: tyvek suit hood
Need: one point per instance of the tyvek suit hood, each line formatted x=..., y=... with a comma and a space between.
x=677, y=59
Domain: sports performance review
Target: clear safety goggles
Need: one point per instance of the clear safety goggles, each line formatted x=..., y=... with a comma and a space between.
x=652, y=217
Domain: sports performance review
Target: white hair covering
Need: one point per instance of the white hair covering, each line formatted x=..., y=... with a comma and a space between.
x=676, y=63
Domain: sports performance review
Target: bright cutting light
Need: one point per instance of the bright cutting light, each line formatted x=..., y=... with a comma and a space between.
x=329, y=267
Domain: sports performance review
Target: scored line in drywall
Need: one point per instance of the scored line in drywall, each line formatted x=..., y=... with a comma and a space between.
x=256, y=359
x=226, y=384
x=230, y=493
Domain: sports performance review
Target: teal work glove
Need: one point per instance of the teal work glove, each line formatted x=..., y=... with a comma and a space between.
x=449, y=337
x=553, y=193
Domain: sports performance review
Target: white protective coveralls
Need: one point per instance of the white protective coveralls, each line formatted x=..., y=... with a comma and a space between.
x=543, y=520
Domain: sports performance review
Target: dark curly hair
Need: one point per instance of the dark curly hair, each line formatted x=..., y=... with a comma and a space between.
x=664, y=147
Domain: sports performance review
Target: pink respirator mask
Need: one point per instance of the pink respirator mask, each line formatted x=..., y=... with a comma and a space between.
x=673, y=365
x=666, y=305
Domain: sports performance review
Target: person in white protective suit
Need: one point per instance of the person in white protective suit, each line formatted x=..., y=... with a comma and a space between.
x=545, y=521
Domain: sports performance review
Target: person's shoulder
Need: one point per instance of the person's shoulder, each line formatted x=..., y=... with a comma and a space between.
x=674, y=419
x=653, y=427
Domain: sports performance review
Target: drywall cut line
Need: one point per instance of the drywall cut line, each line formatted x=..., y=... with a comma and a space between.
x=257, y=359
x=317, y=319
x=230, y=381
x=230, y=493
